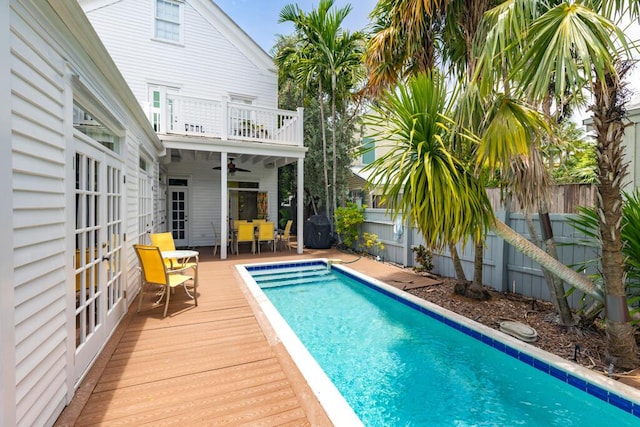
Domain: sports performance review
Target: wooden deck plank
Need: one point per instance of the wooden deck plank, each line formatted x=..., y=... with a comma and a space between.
x=219, y=381
x=199, y=404
x=205, y=365
x=129, y=375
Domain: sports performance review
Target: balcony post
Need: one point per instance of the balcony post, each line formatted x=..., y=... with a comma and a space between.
x=164, y=112
x=300, y=128
x=225, y=118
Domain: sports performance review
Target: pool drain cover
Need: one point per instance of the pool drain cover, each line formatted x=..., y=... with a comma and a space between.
x=519, y=330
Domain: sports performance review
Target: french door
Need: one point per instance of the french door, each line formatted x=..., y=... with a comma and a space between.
x=179, y=213
x=98, y=258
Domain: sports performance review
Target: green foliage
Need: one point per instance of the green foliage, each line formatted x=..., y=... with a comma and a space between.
x=347, y=220
x=419, y=174
x=371, y=244
x=423, y=258
x=587, y=223
x=571, y=157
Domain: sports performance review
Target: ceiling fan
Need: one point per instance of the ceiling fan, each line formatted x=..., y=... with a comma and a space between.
x=231, y=168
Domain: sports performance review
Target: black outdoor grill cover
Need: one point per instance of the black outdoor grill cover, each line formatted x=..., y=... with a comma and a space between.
x=317, y=232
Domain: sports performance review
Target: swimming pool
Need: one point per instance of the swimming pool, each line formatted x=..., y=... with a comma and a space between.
x=398, y=360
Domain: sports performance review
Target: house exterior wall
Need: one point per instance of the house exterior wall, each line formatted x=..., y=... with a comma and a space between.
x=210, y=63
x=51, y=52
x=39, y=79
x=215, y=62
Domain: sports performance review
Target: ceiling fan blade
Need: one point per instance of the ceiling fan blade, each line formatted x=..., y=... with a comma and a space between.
x=242, y=170
x=216, y=167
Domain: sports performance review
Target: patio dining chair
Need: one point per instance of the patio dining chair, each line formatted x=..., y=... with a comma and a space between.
x=165, y=242
x=284, y=239
x=266, y=234
x=245, y=234
x=217, y=242
x=154, y=272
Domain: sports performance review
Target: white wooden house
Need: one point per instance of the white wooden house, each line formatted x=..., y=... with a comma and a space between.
x=211, y=94
x=76, y=155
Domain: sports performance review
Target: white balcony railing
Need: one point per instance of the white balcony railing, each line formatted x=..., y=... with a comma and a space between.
x=227, y=120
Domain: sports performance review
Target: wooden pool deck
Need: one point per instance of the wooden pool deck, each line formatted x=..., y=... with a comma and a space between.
x=207, y=365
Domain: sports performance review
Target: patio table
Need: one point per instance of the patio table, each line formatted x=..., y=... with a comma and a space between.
x=185, y=256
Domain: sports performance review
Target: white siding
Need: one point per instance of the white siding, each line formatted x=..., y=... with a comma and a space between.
x=207, y=65
x=39, y=212
x=45, y=46
x=7, y=330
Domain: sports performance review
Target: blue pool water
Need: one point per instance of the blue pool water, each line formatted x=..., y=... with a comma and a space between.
x=398, y=364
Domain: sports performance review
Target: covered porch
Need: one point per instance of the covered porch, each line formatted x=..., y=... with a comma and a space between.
x=221, y=164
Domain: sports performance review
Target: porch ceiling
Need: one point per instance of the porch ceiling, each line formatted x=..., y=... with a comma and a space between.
x=175, y=155
x=267, y=155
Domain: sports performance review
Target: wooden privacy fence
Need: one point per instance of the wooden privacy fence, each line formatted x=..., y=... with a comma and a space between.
x=504, y=269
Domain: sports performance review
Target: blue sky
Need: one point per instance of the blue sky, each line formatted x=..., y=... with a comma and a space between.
x=259, y=18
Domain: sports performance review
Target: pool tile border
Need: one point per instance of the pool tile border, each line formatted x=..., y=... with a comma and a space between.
x=579, y=383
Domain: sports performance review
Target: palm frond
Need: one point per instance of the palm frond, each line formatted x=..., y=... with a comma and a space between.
x=418, y=174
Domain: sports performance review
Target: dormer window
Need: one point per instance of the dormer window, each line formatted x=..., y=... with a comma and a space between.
x=168, y=20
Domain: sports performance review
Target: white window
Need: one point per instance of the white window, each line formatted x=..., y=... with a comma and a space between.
x=168, y=20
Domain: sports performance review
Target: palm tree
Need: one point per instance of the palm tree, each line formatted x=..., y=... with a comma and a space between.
x=403, y=42
x=572, y=46
x=422, y=178
x=419, y=175
x=306, y=63
x=344, y=54
x=331, y=56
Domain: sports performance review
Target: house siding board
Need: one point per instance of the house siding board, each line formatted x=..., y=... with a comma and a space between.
x=173, y=64
x=38, y=190
x=36, y=382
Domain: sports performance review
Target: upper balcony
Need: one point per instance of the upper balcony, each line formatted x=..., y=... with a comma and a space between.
x=223, y=119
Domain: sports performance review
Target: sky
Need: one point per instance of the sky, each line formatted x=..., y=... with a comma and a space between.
x=259, y=18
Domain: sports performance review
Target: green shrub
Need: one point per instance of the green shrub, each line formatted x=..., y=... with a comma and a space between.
x=347, y=220
x=423, y=258
x=371, y=244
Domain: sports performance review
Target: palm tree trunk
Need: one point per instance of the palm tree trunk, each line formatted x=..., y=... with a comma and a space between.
x=334, y=181
x=556, y=289
x=527, y=248
x=608, y=113
x=457, y=264
x=324, y=146
x=474, y=289
x=476, y=284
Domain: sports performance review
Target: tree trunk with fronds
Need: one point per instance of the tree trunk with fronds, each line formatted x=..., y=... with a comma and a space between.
x=527, y=248
x=608, y=114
